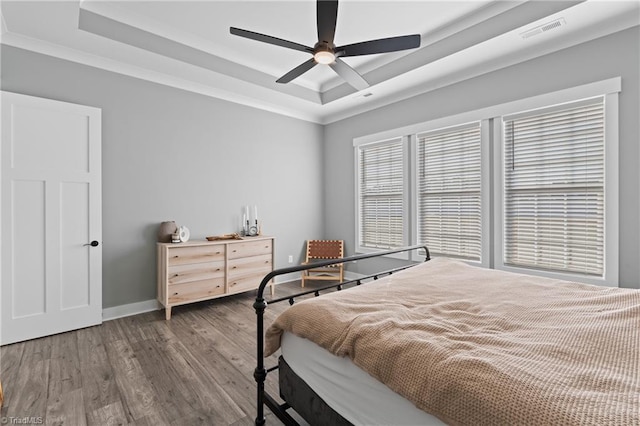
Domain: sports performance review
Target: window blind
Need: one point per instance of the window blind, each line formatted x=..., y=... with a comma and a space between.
x=381, y=194
x=449, y=181
x=554, y=188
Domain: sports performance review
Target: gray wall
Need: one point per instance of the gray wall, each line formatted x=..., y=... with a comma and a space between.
x=169, y=154
x=611, y=56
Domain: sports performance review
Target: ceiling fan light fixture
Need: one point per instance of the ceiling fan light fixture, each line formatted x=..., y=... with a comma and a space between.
x=324, y=57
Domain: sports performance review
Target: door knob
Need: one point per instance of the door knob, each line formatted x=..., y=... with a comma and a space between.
x=93, y=243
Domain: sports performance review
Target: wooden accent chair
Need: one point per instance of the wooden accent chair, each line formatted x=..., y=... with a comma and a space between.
x=324, y=250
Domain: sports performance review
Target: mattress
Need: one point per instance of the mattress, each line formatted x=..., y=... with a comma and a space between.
x=350, y=391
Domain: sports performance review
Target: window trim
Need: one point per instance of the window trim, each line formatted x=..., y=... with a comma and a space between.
x=609, y=91
x=491, y=158
x=485, y=179
x=410, y=133
x=358, y=145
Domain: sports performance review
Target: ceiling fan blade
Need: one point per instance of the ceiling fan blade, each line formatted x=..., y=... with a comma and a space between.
x=269, y=39
x=350, y=75
x=383, y=45
x=297, y=71
x=327, y=14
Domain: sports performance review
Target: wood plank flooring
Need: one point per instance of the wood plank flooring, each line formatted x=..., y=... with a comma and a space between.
x=195, y=369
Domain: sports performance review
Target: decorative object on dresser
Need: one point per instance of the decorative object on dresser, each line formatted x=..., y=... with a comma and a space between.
x=250, y=225
x=202, y=270
x=166, y=230
x=234, y=236
x=184, y=234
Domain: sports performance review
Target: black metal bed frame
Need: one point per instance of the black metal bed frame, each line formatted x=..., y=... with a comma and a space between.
x=260, y=305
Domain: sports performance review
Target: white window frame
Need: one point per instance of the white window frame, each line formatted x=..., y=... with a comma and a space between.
x=609, y=90
x=369, y=141
x=411, y=213
x=492, y=174
x=485, y=179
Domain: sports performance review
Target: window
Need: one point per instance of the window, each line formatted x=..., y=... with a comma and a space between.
x=554, y=188
x=381, y=189
x=527, y=186
x=449, y=191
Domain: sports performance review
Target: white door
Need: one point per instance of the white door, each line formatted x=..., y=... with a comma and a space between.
x=50, y=186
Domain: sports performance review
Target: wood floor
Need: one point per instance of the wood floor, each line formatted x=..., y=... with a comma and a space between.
x=195, y=369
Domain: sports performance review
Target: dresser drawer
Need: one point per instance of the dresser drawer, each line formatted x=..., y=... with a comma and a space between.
x=249, y=248
x=197, y=254
x=186, y=292
x=245, y=282
x=254, y=265
x=195, y=272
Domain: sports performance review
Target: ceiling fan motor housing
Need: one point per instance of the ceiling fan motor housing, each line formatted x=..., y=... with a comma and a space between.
x=323, y=46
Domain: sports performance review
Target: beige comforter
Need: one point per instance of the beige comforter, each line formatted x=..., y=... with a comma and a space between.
x=483, y=347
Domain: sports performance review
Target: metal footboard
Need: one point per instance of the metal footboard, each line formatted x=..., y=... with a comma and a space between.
x=260, y=305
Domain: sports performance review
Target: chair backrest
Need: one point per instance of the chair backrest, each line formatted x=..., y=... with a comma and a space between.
x=325, y=249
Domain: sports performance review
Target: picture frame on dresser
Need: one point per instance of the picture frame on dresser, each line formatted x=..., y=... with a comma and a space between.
x=202, y=270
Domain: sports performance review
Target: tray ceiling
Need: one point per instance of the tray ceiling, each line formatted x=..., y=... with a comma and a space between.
x=187, y=44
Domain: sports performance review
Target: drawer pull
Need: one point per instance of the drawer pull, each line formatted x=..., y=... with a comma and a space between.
x=266, y=261
x=176, y=256
x=176, y=275
x=175, y=294
x=233, y=267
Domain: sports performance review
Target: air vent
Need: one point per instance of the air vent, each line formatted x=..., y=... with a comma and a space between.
x=366, y=95
x=557, y=23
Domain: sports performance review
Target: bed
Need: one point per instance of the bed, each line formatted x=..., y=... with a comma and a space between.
x=443, y=342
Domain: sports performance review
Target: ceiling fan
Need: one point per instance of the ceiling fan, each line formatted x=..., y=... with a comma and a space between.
x=326, y=52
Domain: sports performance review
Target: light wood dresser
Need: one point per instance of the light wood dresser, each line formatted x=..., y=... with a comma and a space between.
x=201, y=270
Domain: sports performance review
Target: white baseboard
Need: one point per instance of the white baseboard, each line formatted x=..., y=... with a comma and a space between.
x=130, y=309
x=153, y=305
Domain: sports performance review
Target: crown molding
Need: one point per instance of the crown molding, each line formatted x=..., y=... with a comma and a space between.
x=442, y=49
x=235, y=91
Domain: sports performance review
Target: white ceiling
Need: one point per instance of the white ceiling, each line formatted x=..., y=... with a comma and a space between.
x=187, y=44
